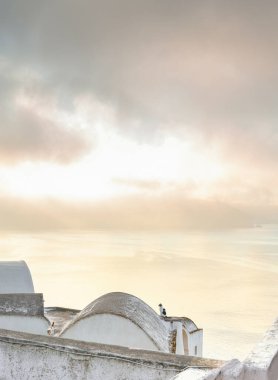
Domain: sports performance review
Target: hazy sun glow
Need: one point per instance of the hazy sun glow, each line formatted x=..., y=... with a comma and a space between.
x=115, y=159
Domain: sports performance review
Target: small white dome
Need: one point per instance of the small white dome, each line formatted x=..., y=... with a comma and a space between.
x=15, y=277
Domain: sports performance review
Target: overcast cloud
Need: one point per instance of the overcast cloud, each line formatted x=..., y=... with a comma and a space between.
x=204, y=71
x=207, y=67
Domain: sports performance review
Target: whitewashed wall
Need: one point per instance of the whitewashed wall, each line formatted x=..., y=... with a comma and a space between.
x=262, y=363
x=15, y=277
x=196, y=339
x=33, y=325
x=110, y=329
x=192, y=340
x=27, y=356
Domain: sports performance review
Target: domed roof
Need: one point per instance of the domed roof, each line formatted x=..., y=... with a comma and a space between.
x=132, y=308
x=15, y=277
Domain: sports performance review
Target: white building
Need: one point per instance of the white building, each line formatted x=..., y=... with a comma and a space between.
x=15, y=277
x=116, y=337
x=20, y=308
x=125, y=320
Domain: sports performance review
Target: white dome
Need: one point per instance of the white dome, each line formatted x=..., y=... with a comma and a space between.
x=130, y=308
x=15, y=277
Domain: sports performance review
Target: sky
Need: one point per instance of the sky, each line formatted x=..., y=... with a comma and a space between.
x=138, y=114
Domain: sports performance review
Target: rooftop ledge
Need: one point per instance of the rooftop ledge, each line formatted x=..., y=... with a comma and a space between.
x=157, y=359
x=28, y=304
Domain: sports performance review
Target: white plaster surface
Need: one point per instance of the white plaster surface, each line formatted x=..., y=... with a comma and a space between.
x=195, y=339
x=264, y=357
x=110, y=329
x=50, y=364
x=191, y=374
x=29, y=324
x=232, y=370
x=180, y=349
x=27, y=356
x=15, y=277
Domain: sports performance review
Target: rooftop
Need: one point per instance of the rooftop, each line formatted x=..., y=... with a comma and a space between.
x=130, y=307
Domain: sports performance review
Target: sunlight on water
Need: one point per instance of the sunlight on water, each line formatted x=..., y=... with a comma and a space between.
x=226, y=281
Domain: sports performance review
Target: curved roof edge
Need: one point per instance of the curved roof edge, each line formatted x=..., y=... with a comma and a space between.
x=189, y=325
x=15, y=277
x=132, y=308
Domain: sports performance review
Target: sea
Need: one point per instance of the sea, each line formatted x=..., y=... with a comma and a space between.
x=226, y=281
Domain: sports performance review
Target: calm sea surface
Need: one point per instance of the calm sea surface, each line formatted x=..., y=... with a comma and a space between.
x=226, y=281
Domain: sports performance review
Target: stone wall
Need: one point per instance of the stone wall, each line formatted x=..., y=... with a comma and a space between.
x=27, y=356
x=22, y=304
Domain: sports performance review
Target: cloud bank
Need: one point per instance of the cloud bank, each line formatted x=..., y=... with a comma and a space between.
x=204, y=67
x=128, y=213
x=203, y=71
x=32, y=124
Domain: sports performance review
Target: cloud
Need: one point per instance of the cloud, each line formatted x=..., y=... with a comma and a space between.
x=203, y=70
x=28, y=136
x=166, y=212
x=138, y=184
x=32, y=125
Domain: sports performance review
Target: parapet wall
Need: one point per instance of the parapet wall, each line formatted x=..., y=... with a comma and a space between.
x=22, y=304
x=27, y=356
x=261, y=364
